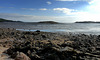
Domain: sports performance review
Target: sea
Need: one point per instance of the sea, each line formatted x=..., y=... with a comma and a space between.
x=83, y=28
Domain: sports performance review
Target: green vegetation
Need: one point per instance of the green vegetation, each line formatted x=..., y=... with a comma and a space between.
x=4, y=20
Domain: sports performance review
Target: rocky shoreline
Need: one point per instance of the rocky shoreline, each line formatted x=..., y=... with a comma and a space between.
x=49, y=46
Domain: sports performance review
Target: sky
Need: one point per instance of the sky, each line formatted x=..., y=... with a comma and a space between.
x=50, y=10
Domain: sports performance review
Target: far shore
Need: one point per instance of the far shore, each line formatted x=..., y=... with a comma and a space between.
x=86, y=22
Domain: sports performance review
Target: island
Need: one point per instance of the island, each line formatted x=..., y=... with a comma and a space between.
x=5, y=20
x=48, y=22
x=87, y=22
x=44, y=22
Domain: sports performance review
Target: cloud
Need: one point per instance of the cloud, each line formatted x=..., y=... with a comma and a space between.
x=34, y=9
x=81, y=15
x=43, y=9
x=31, y=9
x=28, y=8
x=48, y=2
x=24, y=8
x=89, y=1
x=92, y=1
x=73, y=0
x=64, y=10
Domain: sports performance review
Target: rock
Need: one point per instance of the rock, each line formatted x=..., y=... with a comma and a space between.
x=78, y=52
x=38, y=31
x=21, y=56
x=50, y=46
x=43, y=36
x=9, y=51
x=66, y=49
x=98, y=48
x=35, y=57
x=12, y=33
x=52, y=57
x=91, y=49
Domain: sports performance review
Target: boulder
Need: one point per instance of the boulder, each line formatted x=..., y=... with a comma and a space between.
x=21, y=56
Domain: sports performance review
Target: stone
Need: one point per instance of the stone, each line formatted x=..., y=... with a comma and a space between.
x=43, y=36
x=66, y=49
x=21, y=56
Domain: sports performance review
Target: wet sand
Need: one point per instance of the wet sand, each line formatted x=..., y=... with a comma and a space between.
x=49, y=46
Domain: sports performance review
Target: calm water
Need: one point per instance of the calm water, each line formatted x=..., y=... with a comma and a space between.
x=88, y=28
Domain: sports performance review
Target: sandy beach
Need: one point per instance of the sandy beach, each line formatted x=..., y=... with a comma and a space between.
x=38, y=45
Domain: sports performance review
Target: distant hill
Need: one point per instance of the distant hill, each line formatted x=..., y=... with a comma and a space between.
x=87, y=22
x=50, y=22
x=5, y=20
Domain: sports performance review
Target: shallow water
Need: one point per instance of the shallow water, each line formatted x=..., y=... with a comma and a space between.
x=87, y=28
